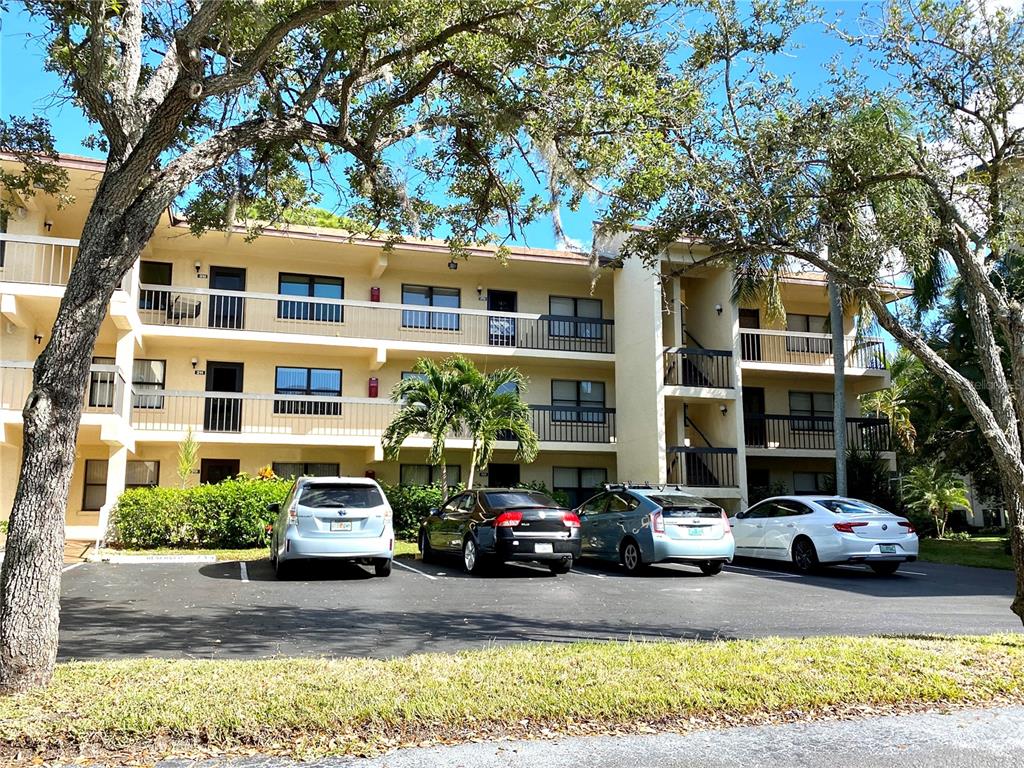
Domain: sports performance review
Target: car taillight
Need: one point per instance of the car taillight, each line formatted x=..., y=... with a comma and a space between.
x=571, y=520
x=508, y=520
x=657, y=522
x=848, y=527
x=725, y=524
x=293, y=513
x=909, y=526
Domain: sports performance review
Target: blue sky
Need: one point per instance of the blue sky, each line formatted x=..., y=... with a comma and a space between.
x=26, y=89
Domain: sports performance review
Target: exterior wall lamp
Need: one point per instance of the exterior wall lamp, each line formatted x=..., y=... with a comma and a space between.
x=724, y=409
x=198, y=266
x=718, y=308
x=195, y=362
x=453, y=265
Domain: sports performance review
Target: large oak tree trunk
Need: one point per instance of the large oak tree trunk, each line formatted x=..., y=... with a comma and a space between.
x=1015, y=528
x=31, y=572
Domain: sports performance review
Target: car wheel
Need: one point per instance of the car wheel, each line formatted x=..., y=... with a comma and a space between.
x=560, y=566
x=711, y=568
x=884, y=569
x=382, y=567
x=805, y=556
x=426, y=552
x=472, y=558
x=632, y=559
x=282, y=569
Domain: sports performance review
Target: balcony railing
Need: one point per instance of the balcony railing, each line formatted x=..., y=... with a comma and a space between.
x=276, y=313
x=812, y=349
x=816, y=433
x=103, y=394
x=36, y=259
x=697, y=367
x=700, y=467
x=558, y=424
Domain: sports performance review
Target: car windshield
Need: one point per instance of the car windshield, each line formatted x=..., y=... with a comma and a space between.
x=341, y=495
x=504, y=499
x=852, y=507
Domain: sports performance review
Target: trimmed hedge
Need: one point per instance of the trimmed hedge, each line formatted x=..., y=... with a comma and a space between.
x=411, y=504
x=229, y=515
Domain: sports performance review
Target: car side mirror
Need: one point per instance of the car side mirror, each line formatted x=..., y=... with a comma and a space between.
x=274, y=507
x=435, y=512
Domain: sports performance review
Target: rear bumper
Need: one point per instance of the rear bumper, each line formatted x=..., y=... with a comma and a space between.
x=846, y=548
x=526, y=549
x=683, y=550
x=295, y=547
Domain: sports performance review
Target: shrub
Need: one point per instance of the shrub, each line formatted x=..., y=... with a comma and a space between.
x=232, y=514
x=411, y=504
x=958, y=536
x=3, y=527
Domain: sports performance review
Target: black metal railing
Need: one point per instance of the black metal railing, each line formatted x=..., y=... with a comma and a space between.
x=565, y=334
x=816, y=432
x=697, y=367
x=701, y=467
x=561, y=424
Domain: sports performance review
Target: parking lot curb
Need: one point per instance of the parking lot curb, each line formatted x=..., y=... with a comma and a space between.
x=151, y=559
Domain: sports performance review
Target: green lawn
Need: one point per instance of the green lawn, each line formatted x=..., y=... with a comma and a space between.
x=402, y=549
x=310, y=707
x=981, y=552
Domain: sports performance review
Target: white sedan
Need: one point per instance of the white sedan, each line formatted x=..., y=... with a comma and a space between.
x=823, y=530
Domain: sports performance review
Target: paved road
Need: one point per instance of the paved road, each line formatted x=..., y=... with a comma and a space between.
x=210, y=611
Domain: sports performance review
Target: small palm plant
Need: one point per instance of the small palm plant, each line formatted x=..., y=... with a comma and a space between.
x=188, y=456
x=893, y=401
x=935, y=492
x=431, y=403
x=493, y=410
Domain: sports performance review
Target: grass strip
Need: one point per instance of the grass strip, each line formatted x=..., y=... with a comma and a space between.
x=315, y=707
x=402, y=549
x=979, y=552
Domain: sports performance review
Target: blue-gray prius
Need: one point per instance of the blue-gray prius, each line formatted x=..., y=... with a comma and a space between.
x=639, y=525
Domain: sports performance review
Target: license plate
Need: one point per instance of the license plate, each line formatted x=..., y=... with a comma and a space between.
x=696, y=531
x=341, y=525
x=887, y=549
x=542, y=549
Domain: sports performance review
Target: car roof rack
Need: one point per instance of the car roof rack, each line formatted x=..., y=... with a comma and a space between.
x=644, y=486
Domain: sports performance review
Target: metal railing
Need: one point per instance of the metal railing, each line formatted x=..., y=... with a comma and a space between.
x=36, y=259
x=814, y=349
x=277, y=313
x=103, y=394
x=702, y=467
x=698, y=367
x=816, y=432
x=556, y=423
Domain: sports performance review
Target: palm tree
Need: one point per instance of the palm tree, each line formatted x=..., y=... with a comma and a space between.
x=431, y=405
x=894, y=402
x=935, y=491
x=492, y=409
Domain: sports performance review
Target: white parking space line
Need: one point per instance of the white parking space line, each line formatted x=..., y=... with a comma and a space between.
x=592, y=575
x=243, y=571
x=763, y=572
x=400, y=564
x=862, y=569
x=67, y=568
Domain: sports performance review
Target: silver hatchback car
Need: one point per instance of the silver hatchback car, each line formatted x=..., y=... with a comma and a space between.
x=336, y=518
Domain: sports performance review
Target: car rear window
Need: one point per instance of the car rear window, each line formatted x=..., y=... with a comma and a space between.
x=852, y=507
x=685, y=506
x=341, y=495
x=503, y=499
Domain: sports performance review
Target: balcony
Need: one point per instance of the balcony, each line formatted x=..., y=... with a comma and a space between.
x=698, y=367
x=234, y=417
x=790, y=348
x=35, y=259
x=367, y=323
x=815, y=433
x=702, y=467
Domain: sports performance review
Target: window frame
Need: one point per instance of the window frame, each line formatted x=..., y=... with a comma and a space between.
x=142, y=485
x=431, y=479
x=158, y=400
x=310, y=307
x=285, y=407
x=435, y=320
x=580, y=493
x=155, y=300
x=305, y=467
x=815, y=418
x=577, y=416
x=86, y=484
x=819, y=488
x=563, y=328
x=804, y=344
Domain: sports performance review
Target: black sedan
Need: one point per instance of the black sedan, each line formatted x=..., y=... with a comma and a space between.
x=496, y=525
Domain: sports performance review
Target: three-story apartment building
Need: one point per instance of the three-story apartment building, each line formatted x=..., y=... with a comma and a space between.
x=282, y=352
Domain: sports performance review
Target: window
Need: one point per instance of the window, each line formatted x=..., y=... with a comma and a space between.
x=815, y=405
x=154, y=273
x=413, y=375
x=352, y=495
x=425, y=474
x=523, y=499
x=562, y=307
x=812, y=482
x=101, y=385
x=596, y=505
x=427, y=296
x=3, y=230
x=576, y=395
x=788, y=509
x=579, y=483
x=315, y=286
x=305, y=469
x=148, y=375
x=852, y=507
x=141, y=474
x=319, y=382
x=95, y=485
x=622, y=502
x=807, y=324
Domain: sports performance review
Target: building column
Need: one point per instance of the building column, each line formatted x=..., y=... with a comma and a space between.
x=124, y=359
x=117, y=465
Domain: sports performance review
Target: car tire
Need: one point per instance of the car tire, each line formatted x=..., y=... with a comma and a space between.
x=712, y=567
x=282, y=569
x=382, y=567
x=559, y=567
x=472, y=559
x=426, y=551
x=631, y=557
x=805, y=556
x=884, y=569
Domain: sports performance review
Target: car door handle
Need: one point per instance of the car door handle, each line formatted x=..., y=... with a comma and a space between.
x=790, y=525
x=759, y=526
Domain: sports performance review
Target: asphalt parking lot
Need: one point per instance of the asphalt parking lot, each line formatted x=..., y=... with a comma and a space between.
x=226, y=610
